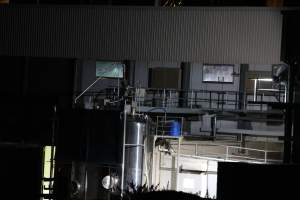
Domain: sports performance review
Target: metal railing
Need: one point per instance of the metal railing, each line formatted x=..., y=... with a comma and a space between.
x=233, y=153
x=207, y=99
x=192, y=99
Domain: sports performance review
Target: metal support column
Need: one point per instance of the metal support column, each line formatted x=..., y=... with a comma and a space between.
x=123, y=149
x=178, y=157
x=289, y=116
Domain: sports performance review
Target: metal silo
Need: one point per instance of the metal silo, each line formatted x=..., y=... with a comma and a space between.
x=136, y=128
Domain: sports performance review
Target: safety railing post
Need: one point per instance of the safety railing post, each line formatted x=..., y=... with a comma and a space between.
x=181, y=127
x=227, y=151
x=156, y=125
x=255, y=90
x=245, y=101
x=192, y=94
x=171, y=100
x=261, y=101
x=210, y=99
x=164, y=98
x=266, y=156
x=223, y=101
x=196, y=98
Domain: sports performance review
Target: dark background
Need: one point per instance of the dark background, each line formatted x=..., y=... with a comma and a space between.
x=152, y=2
x=90, y=135
x=20, y=172
x=30, y=88
x=257, y=181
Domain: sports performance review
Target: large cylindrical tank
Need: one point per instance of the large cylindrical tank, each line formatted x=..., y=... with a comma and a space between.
x=136, y=128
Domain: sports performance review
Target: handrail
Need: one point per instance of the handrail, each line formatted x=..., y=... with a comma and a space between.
x=229, y=156
x=194, y=99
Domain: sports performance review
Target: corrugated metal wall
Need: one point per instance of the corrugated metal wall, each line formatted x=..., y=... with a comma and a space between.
x=213, y=35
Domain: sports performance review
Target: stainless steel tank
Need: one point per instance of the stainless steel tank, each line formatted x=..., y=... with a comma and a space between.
x=136, y=129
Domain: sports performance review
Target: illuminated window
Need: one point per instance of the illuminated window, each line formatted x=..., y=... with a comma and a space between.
x=48, y=170
x=217, y=73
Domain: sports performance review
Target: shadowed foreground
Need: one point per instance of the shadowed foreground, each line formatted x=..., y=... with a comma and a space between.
x=172, y=195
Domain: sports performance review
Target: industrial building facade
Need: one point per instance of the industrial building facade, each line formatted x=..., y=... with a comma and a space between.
x=101, y=97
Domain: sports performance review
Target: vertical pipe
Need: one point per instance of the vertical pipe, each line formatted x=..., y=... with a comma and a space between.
x=159, y=166
x=245, y=100
x=196, y=99
x=52, y=147
x=285, y=93
x=181, y=127
x=118, y=88
x=156, y=125
x=261, y=101
x=242, y=85
x=210, y=99
x=254, y=90
x=215, y=126
x=123, y=149
x=192, y=95
x=266, y=156
x=279, y=93
x=218, y=101
x=178, y=155
x=137, y=157
x=186, y=68
x=227, y=151
x=289, y=115
x=170, y=97
x=77, y=80
x=154, y=160
x=207, y=177
x=153, y=98
x=164, y=98
x=85, y=182
x=86, y=160
x=222, y=105
x=236, y=100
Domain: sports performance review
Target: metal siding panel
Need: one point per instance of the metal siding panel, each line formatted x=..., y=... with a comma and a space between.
x=213, y=35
